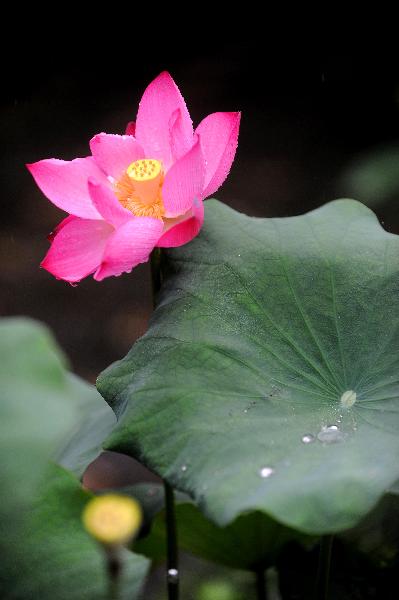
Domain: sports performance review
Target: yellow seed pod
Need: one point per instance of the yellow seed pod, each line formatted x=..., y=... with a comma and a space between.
x=144, y=170
x=112, y=519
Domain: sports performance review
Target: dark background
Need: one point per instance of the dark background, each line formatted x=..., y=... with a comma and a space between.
x=313, y=110
x=320, y=120
x=308, y=114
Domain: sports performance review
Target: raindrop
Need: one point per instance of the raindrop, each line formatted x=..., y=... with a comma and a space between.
x=265, y=472
x=173, y=575
x=184, y=468
x=330, y=434
x=308, y=438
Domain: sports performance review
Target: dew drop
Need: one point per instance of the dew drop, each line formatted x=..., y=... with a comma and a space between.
x=330, y=434
x=265, y=472
x=173, y=575
x=184, y=468
x=308, y=438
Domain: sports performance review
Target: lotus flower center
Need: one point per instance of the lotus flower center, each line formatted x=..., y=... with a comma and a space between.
x=139, y=188
x=144, y=170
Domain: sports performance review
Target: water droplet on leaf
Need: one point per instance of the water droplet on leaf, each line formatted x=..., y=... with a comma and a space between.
x=308, y=438
x=173, y=575
x=265, y=472
x=330, y=434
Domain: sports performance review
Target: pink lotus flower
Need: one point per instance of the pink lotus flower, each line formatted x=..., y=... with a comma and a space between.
x=139, y=190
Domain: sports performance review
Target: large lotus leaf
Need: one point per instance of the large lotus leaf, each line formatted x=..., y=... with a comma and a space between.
x=94, y=423
x=45, y=552
x=43, y=409
x=56, y=558
x=36, y=412
x=253, y=540
x=263, y=330
x=394, y=489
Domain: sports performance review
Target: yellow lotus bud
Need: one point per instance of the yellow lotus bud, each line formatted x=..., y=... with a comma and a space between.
x=112, y=519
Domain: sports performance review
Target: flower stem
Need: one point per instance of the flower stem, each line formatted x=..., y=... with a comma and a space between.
x=260, y=584
x=114, y=570
x=172, y=549
x=156, y=276
x=172, y=573
x=323, y=571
